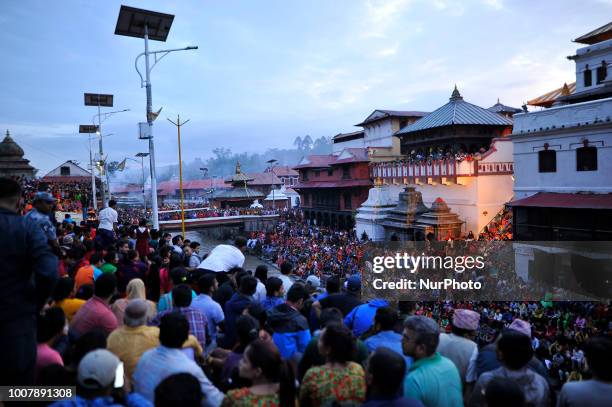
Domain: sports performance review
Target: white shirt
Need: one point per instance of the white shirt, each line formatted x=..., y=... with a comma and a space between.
x=223, y=258
x=287, y=283
x=260, y=292
x=107, y=217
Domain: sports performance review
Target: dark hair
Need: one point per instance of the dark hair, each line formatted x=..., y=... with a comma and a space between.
x=240, y=275
x=330, y=316
x=112, y=203
x=181, y=296
x=176, y=238
x=110, y=257
x=206, y=282
x=50, y=324
x=340, y=341
x=105, y=285
x=515, y=348
x=261, y=272
x=154, y=233
x=234, y=270
x=387, y=318
x=240, y=242
x=248, y=285
x=332, y=285
x=9, y=188
x=173, y=330
x=265, y=356
x=297, y=292
x=501, y=392
x=142, y=222
x=194, y=245
x=131, y=255
x=598, y=352
x=388, y=369
x=247, y=330
x=181, y=389
x=178, y=275
x=273, y=284
x=286, y=267
x=86, y=291
x=95, y=258
x=87, y=342
x=62, y=289
x=257, y=311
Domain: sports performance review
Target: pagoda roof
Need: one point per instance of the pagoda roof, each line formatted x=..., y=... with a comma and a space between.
x=456, y=112
x=346, y=156
x=501, y=108
x=547, y=99
x=237, y=193
x=597, y=35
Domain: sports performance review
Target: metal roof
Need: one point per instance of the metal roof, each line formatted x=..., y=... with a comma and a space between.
x=597, y=35
x=351, y=134
x=566, y=200
x=501, y=108
x=390, y=113
x=457, y=112
x=547, y=99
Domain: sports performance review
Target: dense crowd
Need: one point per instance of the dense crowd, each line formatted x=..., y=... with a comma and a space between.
x=131, y=316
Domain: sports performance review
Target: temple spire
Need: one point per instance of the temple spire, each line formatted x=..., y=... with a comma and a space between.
x=456, y=95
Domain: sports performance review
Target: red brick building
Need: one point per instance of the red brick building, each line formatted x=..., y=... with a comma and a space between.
x=332, y=186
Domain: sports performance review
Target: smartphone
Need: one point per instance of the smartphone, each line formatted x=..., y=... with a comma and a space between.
x=119, y=376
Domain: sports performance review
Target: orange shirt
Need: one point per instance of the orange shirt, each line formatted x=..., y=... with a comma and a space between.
x=84, y=275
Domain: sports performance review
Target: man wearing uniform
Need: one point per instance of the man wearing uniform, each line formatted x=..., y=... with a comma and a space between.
x=28, y=272
x=39, y=215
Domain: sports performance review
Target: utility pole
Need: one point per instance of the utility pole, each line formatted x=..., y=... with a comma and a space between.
x=178, y=125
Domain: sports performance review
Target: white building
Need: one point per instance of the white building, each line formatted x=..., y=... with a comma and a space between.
x=563, y=172
x=378, y=130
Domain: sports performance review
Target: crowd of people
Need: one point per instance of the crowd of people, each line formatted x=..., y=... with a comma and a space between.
x=135, y=317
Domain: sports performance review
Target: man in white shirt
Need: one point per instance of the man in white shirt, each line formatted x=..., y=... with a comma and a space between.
x=107, y=218
x=223, y=258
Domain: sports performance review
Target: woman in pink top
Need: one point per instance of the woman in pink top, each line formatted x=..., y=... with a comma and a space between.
x=50, y=327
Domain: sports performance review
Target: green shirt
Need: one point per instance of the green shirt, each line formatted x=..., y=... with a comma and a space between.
x=434, y=381
x=108, y=268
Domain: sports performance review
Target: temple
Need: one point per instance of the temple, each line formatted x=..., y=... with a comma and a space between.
x=239, y=195
x=12, y=163
x=460, y=154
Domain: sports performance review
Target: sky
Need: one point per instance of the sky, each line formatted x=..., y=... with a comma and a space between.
x=269, y=71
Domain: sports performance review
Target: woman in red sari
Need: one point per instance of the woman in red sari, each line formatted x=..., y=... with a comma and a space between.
x=142, y=239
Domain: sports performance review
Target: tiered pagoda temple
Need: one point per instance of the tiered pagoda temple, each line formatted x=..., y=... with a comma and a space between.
x=239, y=195
x=12, y=163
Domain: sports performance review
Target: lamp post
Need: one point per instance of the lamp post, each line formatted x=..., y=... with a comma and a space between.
x=101, y=100
x=134, y=22
x=88, y=129
x=144, y=195
x=204, y=175
x=271, y=164
x=178, y=125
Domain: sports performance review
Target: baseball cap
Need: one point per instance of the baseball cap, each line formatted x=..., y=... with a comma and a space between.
x=44, y=196
x=353, y=283
x=97, y=369
x=314, y=281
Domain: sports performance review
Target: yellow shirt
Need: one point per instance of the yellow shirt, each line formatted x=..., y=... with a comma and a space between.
x=128, y=344
x=70, y=306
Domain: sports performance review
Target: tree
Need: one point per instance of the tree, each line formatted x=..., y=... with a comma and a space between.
x=298, y=142
x=307, y=143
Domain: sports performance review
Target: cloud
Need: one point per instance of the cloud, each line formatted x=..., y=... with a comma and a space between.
x=496, y=4
x=380, y=15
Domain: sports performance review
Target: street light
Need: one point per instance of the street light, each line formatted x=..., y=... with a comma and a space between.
x=139, y=23
x=271, y=164
x=88, y=129
x=144, y=195
x=101, y=100
x=178, y=125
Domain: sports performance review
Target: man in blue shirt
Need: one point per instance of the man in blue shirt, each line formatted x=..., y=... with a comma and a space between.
x=168, y=359
x=290, y=330
x=384, y=325
x=39, y=215
x=209, y=307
